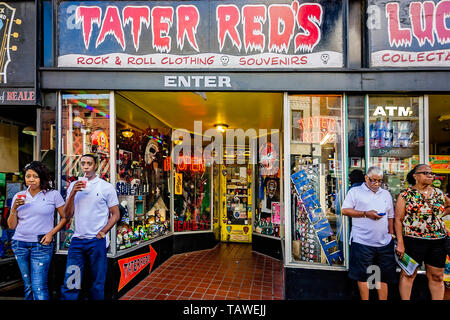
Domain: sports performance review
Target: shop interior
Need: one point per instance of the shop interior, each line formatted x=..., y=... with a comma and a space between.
x=207, y=195
x=234, y=198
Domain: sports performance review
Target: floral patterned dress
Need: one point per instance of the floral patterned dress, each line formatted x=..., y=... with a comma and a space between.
x=423, y=216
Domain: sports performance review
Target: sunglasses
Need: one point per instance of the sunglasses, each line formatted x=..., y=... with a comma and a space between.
x=426, y=173
x=375, y=180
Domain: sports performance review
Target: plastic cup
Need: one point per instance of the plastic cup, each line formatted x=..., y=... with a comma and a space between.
x=22, y=196
x=84, y=180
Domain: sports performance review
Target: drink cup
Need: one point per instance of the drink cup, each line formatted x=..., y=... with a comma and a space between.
x=23, y=197
x=84, y=180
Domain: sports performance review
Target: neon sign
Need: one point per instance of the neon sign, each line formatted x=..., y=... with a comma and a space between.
x=318, y=129
x=186, y=163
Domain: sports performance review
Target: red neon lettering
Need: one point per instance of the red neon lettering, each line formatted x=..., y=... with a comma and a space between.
x=422, y=34
x=442, y=13
x=228, y=17
x=88, y=16
x=188, y=18
x=397, y=36
x=111, y=25
x=253, y=17
x=309, y=19
x=137, y=16
x=162, y=19
x=280, y=15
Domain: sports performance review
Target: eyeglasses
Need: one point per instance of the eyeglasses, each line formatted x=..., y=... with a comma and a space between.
x=375, y=180
x=426, y=173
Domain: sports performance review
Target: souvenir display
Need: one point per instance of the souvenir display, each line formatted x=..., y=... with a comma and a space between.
x=142, y=186
x=192, y=204
x=385, y=133
x=312, y=225
x=268, y=210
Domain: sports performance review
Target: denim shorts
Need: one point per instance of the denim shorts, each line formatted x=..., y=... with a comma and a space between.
x=363, y=256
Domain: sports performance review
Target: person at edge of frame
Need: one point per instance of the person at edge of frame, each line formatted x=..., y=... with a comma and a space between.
x=372, y=234
x=90, y=203
x=421, y=231
x=32, y=218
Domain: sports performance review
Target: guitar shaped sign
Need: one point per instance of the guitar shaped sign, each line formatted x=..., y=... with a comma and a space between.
x=7, y=22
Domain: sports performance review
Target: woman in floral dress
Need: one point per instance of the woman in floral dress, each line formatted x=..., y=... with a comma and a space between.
x=421, y=231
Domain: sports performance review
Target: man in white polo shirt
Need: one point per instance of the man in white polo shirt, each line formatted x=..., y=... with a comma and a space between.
x=371, y=237
x=91, y=206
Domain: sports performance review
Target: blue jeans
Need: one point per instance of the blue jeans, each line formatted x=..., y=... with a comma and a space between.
x=80, y=250
x=34, y=260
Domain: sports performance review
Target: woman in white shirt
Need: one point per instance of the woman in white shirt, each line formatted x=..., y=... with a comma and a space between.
x=32, y=217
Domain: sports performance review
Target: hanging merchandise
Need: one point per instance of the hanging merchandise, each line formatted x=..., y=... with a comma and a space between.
x=304, y=181
x=100, y=142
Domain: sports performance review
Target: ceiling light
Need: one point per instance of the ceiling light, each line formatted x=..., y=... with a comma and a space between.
x=178, y=141
x=30, y=130
x=127, y=133
x=221, y=127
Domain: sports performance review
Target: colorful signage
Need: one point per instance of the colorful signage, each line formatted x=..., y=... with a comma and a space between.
x=318, y=129
x=191, y=225
x=17, y=96
x=201, y=34
x=409, y=33
x=132, y=266
x=440, y=164
x=178, y=183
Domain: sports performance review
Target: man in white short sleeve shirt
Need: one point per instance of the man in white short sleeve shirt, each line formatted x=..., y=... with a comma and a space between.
x=371, y=237
x=91, y=205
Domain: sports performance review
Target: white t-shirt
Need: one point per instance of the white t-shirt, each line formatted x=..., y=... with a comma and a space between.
x=91, y=207
x=36, y=217
x=366, y=231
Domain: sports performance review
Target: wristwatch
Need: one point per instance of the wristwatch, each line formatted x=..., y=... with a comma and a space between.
x=102, y=234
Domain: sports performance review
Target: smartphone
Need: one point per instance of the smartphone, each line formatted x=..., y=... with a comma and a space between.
x=381, y=213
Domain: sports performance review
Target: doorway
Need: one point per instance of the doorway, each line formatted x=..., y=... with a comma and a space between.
x=228, y=193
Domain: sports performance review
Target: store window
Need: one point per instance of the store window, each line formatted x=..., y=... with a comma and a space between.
x=85, y=128
x=394, y=138
x=356, y=136
x=143, y=175
x=439, y=143
x=267, y=187
x=317, y=186
x=192, y=186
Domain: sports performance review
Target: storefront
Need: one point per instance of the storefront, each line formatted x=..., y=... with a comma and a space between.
x=19, y=134
x=284, y=88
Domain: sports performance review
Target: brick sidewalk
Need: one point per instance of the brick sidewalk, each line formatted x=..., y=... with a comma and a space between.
x=230, y=271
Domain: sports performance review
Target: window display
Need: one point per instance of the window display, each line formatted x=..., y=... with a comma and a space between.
x=192, y=195
x=142, y=181
x=317, y=187
x=85, y=129
x=268, y=209
x=394, y=138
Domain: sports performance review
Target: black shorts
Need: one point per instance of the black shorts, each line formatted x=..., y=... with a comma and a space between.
x=430, y=251
x=363, y=256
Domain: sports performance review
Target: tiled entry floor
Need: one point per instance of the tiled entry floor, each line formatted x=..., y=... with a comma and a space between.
x=229, y=271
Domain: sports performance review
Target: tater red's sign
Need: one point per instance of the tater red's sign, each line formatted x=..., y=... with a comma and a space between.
x=132, y=266
x=409, y=33
x=201, y=34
